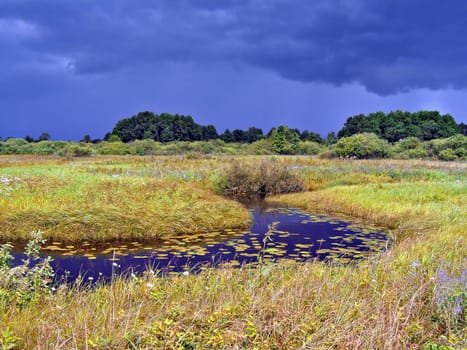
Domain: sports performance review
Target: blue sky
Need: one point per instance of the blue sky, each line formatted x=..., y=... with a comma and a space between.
x=71, y=67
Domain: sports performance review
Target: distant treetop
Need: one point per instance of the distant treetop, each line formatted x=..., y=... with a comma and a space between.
x=167, y=127
x=394, y=126
x=164, y=128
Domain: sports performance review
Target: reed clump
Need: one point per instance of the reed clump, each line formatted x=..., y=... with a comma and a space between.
x=262, y=178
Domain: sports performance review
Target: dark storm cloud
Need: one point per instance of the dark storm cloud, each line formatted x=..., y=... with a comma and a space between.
x=387, y=46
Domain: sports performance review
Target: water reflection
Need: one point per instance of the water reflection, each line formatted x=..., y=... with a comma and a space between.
x=276, y=233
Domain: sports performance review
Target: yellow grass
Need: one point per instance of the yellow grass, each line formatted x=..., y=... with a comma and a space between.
x=107, y=199
x=402, y=299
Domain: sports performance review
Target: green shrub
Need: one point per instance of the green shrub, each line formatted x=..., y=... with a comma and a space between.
x=116, y=147
x=23, y=283
x=48, y=147
x=447, y=154
x=416, y=153
x=260, y=147
x=407, y=144
x=453, y=146
x=309, y=148
x=143, y=147
x=269, y=177
x=76, y=150
x=410, y=148
x=362, y=146
x=113, y=138
x=328, y=153
x=15, y=146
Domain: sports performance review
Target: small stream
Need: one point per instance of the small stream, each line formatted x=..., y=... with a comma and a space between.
x=276, y=233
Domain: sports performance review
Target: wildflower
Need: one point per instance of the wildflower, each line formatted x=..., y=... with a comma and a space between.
x=457, y=309
x=150, y=285
x=185, y=273
x=115, y=264
x=90, y=278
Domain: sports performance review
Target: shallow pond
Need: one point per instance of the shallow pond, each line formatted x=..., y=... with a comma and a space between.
x=276, y=233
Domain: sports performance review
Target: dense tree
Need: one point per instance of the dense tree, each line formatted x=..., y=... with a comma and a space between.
x=331, y=138
x=227, y=136
x=164, y=128
x=285, y=140
x=394, y=126
x=44, y=137
x=29, y=138
x=253, y=134
x=238, y=135
x=209, y=132
x=86, y=138
x=463, y=129
x=311, y=136
x=397, y=125
x=270, y=132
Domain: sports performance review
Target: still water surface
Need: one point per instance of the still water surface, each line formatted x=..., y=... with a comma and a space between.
x=276, y=233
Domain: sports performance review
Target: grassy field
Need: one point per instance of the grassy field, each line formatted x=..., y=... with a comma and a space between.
x=111, y=198
x=413, y=296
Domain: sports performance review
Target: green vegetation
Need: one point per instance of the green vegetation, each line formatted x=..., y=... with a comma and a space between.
x=394, y=126
x=285, y=140
x=362, y=137
x=412, y=296
x=282, y=141
x=164, y=128
x=362, y=146
x=402, y=135
x=108, y=198
x=268, y=177
x=23, y=284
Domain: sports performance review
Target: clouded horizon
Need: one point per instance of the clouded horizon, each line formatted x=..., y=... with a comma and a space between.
x=71, y=68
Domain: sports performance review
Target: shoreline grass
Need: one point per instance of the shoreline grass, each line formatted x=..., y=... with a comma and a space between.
x=101, y=200
x=411, y=297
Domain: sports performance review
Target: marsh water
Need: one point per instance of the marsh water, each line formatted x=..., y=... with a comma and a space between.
x=276, y=233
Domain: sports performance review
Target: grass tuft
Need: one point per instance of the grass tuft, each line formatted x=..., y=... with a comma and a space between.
x=411, y=297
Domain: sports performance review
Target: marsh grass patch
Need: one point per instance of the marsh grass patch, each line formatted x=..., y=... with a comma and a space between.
x=263, y=178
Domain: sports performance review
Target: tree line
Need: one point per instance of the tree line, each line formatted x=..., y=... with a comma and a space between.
x=392, y=127
x=167, y=127
x=398, y=125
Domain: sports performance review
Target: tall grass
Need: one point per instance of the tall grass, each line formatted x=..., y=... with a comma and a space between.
x=413, y=296
x=102, y=200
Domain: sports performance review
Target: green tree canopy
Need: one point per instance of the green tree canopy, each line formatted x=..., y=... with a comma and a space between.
x=164, y=128
x=285, y=140
x=397, y=125
x=311, y=136
x=44, y=137
x=209, y=132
